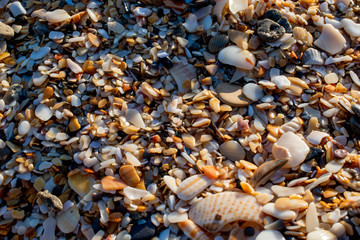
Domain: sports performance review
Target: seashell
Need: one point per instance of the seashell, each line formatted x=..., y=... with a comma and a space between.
x=111, y=183
x=270, y=209
x=283, y=204
x=129, y=175
x=238, y=37
x=301, y=34
x=183, y=74
x=94, y=39
x=330, y=40
x=232, y=150
x=270, y=235
x=81, y=183
x=237, y=5
x=218, y=9
x=321, y=234
x=74, y=67
x=54, y=35
x=192, y=186
x=133, y=116
x=237, y=57
x=142, y=12
x=43, y=112
x=215, y=211
x=218, y=42
x=232, y=95
x=68, y=220
x=296, y=147
x=242, y=232
x=312, y=57
x=56, y=16
x=281, y=191
x=116, y=27
x=353, y=29
x=135, y=193
x=265, y=171
x=210, y=171
x=316, y=137
x=49, y=226
x=192, y=230
x=191, y=23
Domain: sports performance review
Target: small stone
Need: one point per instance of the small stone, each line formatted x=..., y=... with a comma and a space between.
x=17, y=9
x=5, y=154
x=116, y=27
x=43, y=112
x=355, y=125
x=6, y=31
x=253, y=91
x=39, y=54
x=232, y=150
x=209, y=58
x=182, y=41
x=54, y=35
x=331, y=78
x=232, y=95
x=24, y=128
x=51, y=201
x=273, y=14
x=269, y=31
x=212, y=69
x=314, y=153
x=143, y=231
x=285, y=23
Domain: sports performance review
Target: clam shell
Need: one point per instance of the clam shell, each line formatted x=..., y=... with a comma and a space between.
x=237, y=57
x=192, y=230
x=192, y=186
x=312, y=57
x=215, y=211
x=218, y=42
x=68, y=220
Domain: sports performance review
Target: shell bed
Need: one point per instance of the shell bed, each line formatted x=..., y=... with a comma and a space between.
x=180, y=119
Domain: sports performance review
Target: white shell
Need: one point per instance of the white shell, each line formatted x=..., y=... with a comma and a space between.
x=351, y=28
x=321, y=235
x=68, y=220
x=192, y=186
x=237, y=5
x=74, y=67
x=330, y=40
x=58, y=15
x=237, y=57
x=133, y=116
x=193, y=231
x=315, y=137
x=311, y=219
x=215, y=211
x=295, y=146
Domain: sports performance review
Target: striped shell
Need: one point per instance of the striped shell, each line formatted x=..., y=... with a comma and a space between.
x=192, y=230
x=214, y=212
x=218, y=42
x=192, y=186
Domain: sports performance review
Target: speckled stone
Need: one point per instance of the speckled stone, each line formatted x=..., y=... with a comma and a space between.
x=6, y=31
x=269, y=31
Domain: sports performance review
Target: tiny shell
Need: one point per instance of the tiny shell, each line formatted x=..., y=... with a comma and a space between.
x=192, y=186
x=237, y=57
x=215, y=211
x=351, y=27
x=218, y=42
x=129, y=175
x=232, y=150
x=237, y=5
x=312, y=57
x=68, y=220
x=192, y=230
x=270, y=235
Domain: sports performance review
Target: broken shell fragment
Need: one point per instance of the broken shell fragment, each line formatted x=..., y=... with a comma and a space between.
x=265, y=171
x=215, y=211
x=330, y=40
x=296, y=147
x=352, y=28
x=321, y=234
x=192, y=230
x=111, y=183
x=81, y=183
x=56, y=16
x=232, y=150
x=218, y=42
x=232, y=94
x=68, y=220
x=192, y=186
x=237, y=57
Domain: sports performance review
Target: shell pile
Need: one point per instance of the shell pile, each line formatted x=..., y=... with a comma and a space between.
x=180, y=119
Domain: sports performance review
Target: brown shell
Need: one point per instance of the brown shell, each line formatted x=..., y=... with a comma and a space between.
x=218, y=42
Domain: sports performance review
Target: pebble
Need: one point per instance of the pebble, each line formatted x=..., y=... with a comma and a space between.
x=356, y=108
x=270, y=209
x=296, y=149
x=39, y=54
x=143, y=231
x=59, y=15
x=191, y=23
x=16, y=9
x=5, y=154
x=232, y=94
x=330, y=40
x=285, y=24
x=270, y=235
x=6, y=31
x=253, y=91
x=237, y=57
x=331, y=78
x=39, y=183
x=232, y=150
x=354, y=125
x=43, y=112
x=51, y=201
x=24, y=128
x=269, y=31
x=281, y=82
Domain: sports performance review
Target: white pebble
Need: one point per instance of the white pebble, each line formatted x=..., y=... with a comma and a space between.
x=253, y=91
x=43, y=112
x=24, y=127
x=281, y=82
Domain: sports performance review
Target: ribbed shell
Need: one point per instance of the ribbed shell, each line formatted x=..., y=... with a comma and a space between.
x=192, y=186
x=218, y=42
x=214, y=212
x=312, y=57
x=193, y=231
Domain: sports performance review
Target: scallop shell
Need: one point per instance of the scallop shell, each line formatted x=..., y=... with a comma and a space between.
x=215, y=211
x=312, y=57
x=218, y=42
x=192, y=230
x=68, y=220
x=192, y=186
